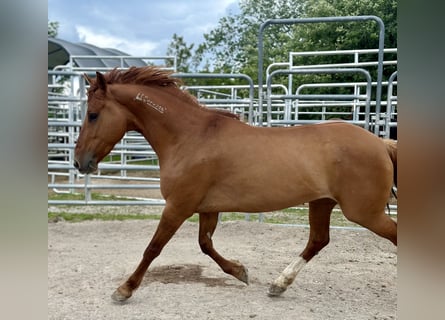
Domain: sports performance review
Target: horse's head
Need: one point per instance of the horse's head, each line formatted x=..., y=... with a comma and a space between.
x=104, y=125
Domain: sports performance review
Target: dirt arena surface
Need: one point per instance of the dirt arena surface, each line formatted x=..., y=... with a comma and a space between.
x=354, y=277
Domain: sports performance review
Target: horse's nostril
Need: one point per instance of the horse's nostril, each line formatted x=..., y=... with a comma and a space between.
x=76, y=164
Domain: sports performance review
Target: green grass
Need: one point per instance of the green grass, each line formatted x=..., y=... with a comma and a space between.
x=117, y=158
x=297, y=216
x=79, y=217
x=81, y=196
x=287, y=216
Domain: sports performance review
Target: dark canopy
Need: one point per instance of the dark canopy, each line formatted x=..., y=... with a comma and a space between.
x=59, y=52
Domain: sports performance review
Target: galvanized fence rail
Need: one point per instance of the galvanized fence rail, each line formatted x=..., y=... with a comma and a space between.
x=132, y=164
x=129, y=155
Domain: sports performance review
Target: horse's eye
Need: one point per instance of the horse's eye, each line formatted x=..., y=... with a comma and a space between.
x=92, y=116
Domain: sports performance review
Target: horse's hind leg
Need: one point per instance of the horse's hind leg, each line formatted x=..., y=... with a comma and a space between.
x=319, y=219
x=379, y=223
x=207, y=225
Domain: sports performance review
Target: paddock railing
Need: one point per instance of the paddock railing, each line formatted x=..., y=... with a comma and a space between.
x=132, y=166
x=300, y=104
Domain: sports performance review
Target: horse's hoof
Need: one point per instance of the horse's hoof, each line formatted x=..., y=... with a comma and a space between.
x=244, y=276
x=275, y=291
x=241, y=273
x=120, y=297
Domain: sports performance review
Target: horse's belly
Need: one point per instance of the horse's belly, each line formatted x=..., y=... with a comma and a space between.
x=258, y=198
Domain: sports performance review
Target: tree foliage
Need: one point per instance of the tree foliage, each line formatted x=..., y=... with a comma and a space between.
x=53, y=27
x=232, y=46
x=183, y=52
x=352, y=36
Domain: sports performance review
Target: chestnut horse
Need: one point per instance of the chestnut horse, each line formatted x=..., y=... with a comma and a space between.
x=211, y=162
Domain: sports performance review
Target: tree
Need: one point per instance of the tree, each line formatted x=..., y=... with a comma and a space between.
x=344, y=36
x=53, y=27
x=183, y=52
x=352, y=35
x=232, y=45
x=357, y=36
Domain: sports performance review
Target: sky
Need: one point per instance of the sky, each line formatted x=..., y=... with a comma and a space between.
x=137, y=27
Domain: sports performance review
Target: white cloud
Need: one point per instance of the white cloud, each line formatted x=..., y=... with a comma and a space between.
x=146, y=31
x=105, y=40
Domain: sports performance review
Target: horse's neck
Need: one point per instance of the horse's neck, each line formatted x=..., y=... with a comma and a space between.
x=162, y=118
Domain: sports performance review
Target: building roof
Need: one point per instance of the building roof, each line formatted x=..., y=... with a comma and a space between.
x=60, y=51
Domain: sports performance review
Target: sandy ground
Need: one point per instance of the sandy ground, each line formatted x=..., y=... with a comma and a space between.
x=353, y=278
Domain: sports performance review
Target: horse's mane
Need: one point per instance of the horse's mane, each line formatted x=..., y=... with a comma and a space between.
x=144, y=76
x=149, y=76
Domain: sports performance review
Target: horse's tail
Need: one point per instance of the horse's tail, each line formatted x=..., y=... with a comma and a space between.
x=391, y=147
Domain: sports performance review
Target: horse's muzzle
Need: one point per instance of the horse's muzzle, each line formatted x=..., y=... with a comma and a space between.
x=88, y=165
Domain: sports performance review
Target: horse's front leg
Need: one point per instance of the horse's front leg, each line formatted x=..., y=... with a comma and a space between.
x=207, y=225
x=170, y=221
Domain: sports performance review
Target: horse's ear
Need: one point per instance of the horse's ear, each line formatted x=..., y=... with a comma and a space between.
x=100, y=81
x=88, y=79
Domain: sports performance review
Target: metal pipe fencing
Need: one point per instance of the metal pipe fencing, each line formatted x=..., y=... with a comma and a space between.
x=128, y=156
x=132, y=164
